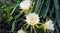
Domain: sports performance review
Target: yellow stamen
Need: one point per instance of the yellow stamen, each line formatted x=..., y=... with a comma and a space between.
x=32, y=20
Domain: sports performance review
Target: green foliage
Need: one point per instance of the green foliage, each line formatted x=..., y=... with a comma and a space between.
x=12, y=19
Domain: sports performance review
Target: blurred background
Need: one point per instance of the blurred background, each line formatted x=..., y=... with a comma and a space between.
x=11, y=17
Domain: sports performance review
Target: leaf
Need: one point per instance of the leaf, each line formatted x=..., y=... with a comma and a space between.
x=31, y=29
x=57, y=29
x=10, y=18
x=34, y=30
x=57, y=11
x=51, y=11
x=34, y=4
x=14, y=9
x=13, y=26
x=37, y=6
x=41, y=4
x=44, y=10
x=16, y=17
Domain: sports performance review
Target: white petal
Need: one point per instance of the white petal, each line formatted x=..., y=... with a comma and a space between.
x=50, y=25
x=20, y=31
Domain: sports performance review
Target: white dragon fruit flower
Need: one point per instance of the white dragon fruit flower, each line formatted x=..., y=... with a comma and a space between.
x=25, y=5
x=20, y=31
x=32, y=19
x=49, y=25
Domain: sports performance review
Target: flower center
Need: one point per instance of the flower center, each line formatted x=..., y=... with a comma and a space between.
x=44, y=26
x=25, y=4
x=32, y=20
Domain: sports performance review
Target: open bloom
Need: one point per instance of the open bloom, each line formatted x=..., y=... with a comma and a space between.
x=25, y=5
x=20, y=31
x=32, y=19
x=49, y=25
